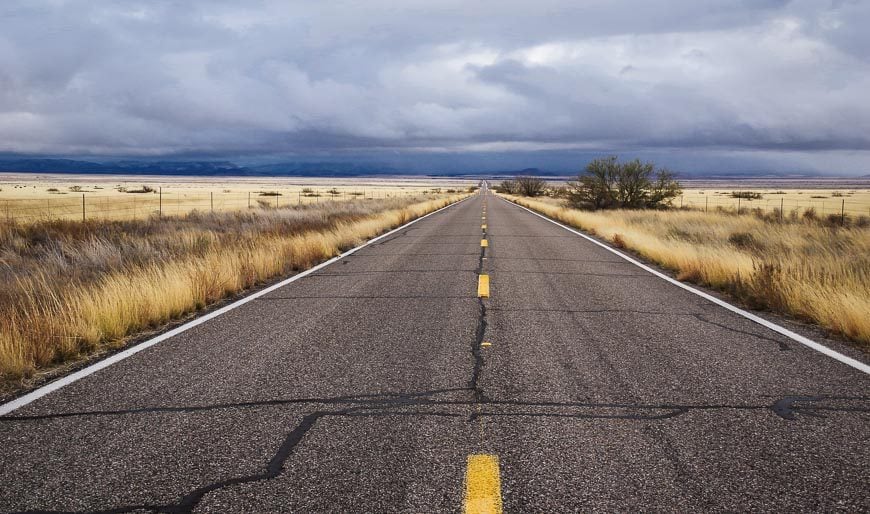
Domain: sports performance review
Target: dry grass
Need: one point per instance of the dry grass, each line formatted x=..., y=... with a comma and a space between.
x=825, y=202
x=806, y=268
x=36, y=198
x=69, y=288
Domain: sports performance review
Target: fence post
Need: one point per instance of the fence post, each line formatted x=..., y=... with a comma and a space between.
x=681, y=201
x=211, y=199
x=276, y=198
x=738, y=206
x=843, y=213
x=706, y=203
x=781, y=208
x=249, y=199
x=160, y=207
x=83, y=207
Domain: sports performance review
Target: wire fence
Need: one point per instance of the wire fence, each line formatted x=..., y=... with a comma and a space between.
x=784, y=206
x=166, y=202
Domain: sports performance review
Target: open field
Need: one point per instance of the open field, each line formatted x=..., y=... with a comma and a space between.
x=825, y=202
x=825, y=196
x=804, y=267
x=30, y=197
x=68, y=288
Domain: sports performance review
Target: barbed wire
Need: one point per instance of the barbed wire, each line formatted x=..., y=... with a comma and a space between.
x=80, y=206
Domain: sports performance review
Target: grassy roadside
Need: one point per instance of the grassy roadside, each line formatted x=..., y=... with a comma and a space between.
x=68, y=289
x=803, y=268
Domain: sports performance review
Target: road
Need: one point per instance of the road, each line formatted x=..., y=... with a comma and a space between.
x=383, y=382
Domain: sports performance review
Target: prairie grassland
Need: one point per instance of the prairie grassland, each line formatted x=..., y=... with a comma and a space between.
x=804, y=267
x=33, y=198
x=70, y=288
x=824, y=202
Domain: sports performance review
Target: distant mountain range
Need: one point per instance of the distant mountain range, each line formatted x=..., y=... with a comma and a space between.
x=307, y=169
x=226, y=168
x=193, y=168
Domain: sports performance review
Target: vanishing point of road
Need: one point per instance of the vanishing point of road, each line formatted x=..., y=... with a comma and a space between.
x=481, y=359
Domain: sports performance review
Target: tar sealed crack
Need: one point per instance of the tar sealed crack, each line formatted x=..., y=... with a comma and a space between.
x=432, y=403
x=480, y=333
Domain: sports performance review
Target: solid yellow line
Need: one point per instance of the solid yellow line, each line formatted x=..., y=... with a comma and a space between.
x=484, y=243
x=482, y=485
x=483, y=286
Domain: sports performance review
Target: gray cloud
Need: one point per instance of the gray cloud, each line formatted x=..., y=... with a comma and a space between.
x=162, y=77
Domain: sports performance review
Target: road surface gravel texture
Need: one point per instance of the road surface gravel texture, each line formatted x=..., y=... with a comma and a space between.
x=367, y=385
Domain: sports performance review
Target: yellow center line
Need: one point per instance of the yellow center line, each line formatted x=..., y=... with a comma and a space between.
x=483, y=286
x=484, y=243
x=482, y=485
x=483, y=227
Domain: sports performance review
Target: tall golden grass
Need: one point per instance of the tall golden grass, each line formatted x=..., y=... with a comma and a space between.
x=802, y=267
x=70, y=288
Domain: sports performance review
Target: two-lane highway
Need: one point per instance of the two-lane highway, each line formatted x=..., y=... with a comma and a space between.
x=481, y=358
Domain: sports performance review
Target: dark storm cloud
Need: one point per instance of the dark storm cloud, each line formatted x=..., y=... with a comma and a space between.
x=269, y=77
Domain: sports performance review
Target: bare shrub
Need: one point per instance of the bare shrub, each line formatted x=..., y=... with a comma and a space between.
x=607, y=183
x=530, y=186
x=508, y=187
x=746, y=195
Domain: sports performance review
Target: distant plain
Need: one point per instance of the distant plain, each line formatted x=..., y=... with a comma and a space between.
x=36, y=197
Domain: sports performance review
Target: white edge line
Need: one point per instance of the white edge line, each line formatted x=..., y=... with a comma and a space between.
x=849, y=361
x=36, y=394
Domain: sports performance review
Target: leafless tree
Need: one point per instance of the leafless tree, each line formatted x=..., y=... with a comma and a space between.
x=607, y=183
x=531, y=186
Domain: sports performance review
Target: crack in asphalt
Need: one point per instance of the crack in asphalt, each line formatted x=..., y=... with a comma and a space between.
x=379, y=255
x=366, y=297
x=389, y=404
x=578, y=273
x=503, y=258
x=379, y=272
x=783, y=346
x=784, y=407
x=479, y=334
x=593, y=311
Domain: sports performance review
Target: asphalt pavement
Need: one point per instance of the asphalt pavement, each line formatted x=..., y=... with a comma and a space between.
x=391, y=381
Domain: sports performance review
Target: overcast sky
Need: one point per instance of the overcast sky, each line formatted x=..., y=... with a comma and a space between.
x=704, y=84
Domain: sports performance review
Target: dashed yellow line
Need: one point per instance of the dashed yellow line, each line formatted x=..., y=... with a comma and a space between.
x=483, y=227
x=482, y=485
x=484, y=243
x=483, y=286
